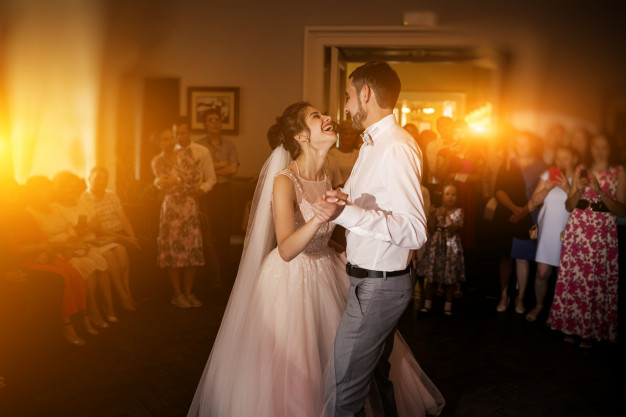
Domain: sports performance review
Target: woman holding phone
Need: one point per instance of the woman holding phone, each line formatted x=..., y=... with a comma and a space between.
x=585, y=299
x=550, y=194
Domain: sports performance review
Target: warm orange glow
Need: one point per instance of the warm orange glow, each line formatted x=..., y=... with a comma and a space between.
x=52, y=87
x=480, y=120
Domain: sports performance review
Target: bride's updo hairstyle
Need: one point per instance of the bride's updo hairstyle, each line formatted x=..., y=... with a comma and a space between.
x=287, y=126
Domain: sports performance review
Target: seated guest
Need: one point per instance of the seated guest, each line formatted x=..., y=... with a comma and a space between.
x=26, y=254
x=82, y=216
x=30, y=303
x=113, y=219
x=65, y=242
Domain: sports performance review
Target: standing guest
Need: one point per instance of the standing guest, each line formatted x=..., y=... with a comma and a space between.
x=206, y=171
x=179, y=243
x=445, y=128
x=585, y=299
x=342, y=159
x=220, y=201
x=579, y=141
x=551, y=194
x=517, y=179
x=444, y=262
x=464, y=162
x=425, y=137
x=555, y=137
x=422, y=139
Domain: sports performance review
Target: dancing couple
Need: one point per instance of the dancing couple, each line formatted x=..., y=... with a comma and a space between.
x=307, y=332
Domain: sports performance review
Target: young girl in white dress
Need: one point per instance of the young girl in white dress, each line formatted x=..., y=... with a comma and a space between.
x=274, y=346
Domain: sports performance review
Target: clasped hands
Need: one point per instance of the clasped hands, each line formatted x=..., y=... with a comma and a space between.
x=329, y=206
x=590, y=181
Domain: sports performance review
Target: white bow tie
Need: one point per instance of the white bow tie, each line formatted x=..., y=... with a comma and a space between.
x=367, y=138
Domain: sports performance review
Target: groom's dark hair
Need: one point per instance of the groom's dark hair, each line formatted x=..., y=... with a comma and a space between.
x=381, y=78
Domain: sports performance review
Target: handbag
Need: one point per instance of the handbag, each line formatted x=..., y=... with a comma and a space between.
x=534, y=232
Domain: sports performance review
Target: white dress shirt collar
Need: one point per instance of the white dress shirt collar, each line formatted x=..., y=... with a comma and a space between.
x=373, y=132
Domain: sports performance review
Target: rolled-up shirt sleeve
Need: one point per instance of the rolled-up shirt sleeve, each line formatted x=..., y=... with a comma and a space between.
x=403, y=223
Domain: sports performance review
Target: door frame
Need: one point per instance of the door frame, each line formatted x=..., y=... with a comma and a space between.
x=318, y=38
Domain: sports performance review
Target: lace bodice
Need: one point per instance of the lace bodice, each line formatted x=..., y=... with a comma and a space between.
x=305, y=190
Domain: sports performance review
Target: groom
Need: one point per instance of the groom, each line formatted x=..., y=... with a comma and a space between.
x=382, y=209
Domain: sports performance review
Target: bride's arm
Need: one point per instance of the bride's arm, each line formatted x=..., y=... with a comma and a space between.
x=290, y=241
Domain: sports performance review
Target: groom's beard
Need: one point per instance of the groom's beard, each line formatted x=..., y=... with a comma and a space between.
x=359, y=117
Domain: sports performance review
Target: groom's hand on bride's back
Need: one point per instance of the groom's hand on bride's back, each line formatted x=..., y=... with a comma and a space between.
x=328, y=206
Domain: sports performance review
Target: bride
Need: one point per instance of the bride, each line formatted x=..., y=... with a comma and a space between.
x=274, y=346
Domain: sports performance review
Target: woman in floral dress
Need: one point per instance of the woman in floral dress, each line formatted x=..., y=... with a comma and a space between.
x=585, y=300
x=179, y=245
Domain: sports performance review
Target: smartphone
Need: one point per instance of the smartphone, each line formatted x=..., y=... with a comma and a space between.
x=555, y=174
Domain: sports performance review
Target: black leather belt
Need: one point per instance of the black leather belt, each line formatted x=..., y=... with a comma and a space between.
x=357, y=272
x=598, y=206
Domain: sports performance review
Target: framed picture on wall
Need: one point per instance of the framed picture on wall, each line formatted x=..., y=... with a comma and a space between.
x=224, y=99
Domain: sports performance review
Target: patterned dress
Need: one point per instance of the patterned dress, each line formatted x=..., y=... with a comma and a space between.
x=179, y=243
x=444, y=260
x=585, y=299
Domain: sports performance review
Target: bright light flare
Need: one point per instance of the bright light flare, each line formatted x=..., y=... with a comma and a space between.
x=53, y=73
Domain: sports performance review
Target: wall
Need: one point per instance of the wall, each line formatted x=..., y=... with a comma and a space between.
x=561, y=62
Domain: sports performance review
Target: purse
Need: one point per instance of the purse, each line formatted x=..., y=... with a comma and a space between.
x=534, y=232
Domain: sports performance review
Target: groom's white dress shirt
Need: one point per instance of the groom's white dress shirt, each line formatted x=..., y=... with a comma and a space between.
x=386, y=219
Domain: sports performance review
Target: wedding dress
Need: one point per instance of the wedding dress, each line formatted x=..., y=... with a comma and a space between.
x=274, y=346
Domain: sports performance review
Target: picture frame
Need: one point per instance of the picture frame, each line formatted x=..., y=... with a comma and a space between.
x=226, y=99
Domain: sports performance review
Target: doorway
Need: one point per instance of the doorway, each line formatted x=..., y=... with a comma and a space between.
x=443, y=71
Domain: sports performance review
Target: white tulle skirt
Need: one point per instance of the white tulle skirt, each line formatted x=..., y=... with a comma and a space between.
x=275, y=362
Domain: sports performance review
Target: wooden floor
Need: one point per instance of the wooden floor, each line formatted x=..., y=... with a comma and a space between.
x=485, y=363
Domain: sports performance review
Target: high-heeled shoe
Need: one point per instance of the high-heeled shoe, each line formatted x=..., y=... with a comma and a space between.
x=518, y=309
x=128, y=306
x=89, y=328
x=502, y=307
x=100, y=324
x=70, y=335
x=531, y=317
